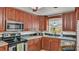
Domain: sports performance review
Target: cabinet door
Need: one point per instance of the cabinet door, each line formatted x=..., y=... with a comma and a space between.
x=38, y=44
x=19, y=15
x=29, y=18
x=42, y=23
x=1, y=48
x=69, y=21
x=46, y=43
x=35, y=23
x=34, y=45
x=26, y=22
x=10, y=13
x=32, y=22
x=66, y=22
x=77, y=13
x=4, y=48
x=2, y=19
x=54, y=44
x=73, y=21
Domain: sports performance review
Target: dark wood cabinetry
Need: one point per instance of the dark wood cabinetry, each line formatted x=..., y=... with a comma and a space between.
x=69, y=21
x=35, y=22
x=31, y=21
x=4, y=48
x=51, y=44
x=43, y=20
x=10, y=13
x=20, y=16
x=14, y=14
x=34, y=44
x=2, y=19
x=26, y=22
x=77, y=13
x=46, y=43
x=55, y=44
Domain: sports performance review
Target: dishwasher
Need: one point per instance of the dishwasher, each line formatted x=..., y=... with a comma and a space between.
x=21, y=46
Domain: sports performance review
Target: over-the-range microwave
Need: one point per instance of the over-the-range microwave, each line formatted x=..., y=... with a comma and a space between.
x=14, y=26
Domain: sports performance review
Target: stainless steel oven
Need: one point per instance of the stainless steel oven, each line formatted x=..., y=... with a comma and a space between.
x=14, y=26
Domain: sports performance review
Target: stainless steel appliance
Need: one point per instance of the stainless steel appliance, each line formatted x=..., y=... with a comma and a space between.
x=21, y=46
x=14, y=26
x=15, y=42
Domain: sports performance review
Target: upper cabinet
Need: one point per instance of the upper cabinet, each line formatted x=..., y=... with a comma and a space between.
x=2, y=19
x=10, y=13
x=14, y=14
x=69, y=21
x=35, y=23
x=31, y=22
x=43, y=22
x=77, y=13
x=26, y=21
x=19, y=16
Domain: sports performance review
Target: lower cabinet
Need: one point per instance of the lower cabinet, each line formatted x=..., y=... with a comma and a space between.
x=55, y=44
x=51, y=44
x=44, y=43
x=4, y=48
x=34, y=44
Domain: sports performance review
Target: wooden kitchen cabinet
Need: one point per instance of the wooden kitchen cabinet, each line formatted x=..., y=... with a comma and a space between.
x=10, y=13
x=4, y=48
x=26, y=22
x=35, y=23
x=43, y=23
x=19, y=16
x=69, y=21
x=2, y=19
x=51, y=44
x=14, y=14
x=31, y=21
x=34, y=44
x=46, y=43
x=77, y=13
x=55, y=44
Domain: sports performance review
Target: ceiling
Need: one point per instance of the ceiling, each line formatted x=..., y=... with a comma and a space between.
x=47, y=11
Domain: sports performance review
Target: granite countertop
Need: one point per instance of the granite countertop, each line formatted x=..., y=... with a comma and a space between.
x=63, y=38
x=38, y=36
x=29, y=37
x=60, y=37
x=2, y=43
